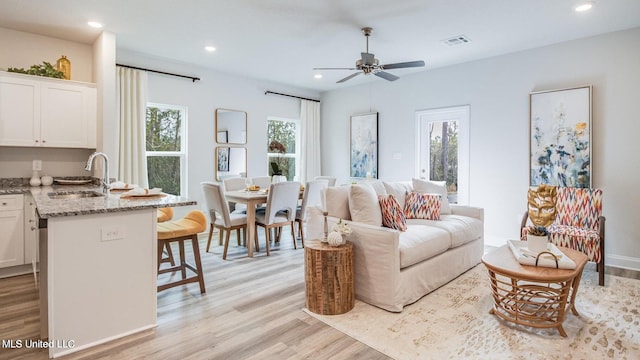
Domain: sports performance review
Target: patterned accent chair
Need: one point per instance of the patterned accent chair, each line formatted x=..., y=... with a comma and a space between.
x=579, y=224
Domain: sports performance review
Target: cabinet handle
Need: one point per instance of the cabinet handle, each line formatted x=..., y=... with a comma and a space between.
x=32, y=220
x=44, y=141
x=37, y=141
x=4, y=203
x=33, y=228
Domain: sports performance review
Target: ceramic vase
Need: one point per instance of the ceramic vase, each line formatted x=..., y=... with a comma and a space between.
x=537, y=244
x=335, y=239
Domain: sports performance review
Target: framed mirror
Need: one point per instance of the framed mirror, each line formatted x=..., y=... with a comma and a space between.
x=231, y=127
x=230, y=162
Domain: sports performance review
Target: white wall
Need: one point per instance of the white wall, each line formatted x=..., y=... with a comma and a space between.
x=216, y=90
x=497, y=90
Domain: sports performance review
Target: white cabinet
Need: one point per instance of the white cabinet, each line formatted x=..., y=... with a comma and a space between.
x=11, y=230
x=37, y=111
x=30, y=231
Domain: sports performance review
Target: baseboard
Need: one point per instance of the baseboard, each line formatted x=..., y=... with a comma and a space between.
x=623, y=262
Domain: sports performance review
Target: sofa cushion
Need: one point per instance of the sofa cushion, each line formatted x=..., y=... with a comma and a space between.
x=434, y=187
x=398, y=189
x=421, y=242
x=462, y=229
x=422, y=206
x=378, y=187
x=364, y=206
x=392, y=214
x=337, y=202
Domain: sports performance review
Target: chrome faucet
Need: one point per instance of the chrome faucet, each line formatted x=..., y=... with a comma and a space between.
x=105, y=178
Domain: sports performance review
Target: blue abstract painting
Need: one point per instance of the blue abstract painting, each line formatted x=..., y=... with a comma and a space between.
x=364, y=145
x=560, y=137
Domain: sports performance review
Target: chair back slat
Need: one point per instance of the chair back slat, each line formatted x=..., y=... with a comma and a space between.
x=234, y=183
x=579, y=207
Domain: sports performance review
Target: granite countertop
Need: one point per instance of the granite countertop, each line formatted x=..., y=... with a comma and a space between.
x=112, y=202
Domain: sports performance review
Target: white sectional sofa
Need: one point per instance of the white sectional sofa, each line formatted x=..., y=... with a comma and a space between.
x=395, y=268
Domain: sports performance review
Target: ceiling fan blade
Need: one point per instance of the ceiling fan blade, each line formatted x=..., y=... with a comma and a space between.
x=351, y=68
x=386, y=76
x=368, y=59
x=407, y=64
x=349, y=77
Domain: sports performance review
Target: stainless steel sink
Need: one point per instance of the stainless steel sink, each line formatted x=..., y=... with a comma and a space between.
x=74, y=195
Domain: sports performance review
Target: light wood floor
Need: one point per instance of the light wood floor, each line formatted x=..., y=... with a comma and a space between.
x=251, y=310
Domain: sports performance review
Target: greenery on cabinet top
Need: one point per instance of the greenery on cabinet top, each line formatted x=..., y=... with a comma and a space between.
x=45, y=70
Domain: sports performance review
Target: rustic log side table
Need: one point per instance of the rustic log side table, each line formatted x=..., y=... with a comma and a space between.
x=328, y=277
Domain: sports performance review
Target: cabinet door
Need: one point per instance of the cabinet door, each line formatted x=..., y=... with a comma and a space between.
x=19, y=112
x=11, y=238
x=63, y=111
x=30, y=231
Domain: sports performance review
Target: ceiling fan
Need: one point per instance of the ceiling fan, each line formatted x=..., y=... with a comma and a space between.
x=368, y=64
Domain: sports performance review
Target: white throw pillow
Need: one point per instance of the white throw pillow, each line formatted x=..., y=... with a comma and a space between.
x=399, y=190
x=337, y=202
x=364, y=205
x=378, y=187
x=434, y=187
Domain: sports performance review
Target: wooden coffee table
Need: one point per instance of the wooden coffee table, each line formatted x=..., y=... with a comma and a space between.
x=533, y=296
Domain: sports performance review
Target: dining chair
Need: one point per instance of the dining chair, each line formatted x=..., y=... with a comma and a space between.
x=331, y=181
x=231, y=184
x=312, y=196
x=262, y=181
x=219, y=216
x=282, y=204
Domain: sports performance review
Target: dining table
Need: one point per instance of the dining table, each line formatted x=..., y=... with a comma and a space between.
x=252, y=199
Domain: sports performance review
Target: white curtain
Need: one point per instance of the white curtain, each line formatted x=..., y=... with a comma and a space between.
x=310, y=126
x=132, y=105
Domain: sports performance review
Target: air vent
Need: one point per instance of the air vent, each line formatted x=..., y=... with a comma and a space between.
x=457, y=40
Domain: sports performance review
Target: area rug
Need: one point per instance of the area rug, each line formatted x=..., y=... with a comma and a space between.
x=453, y=322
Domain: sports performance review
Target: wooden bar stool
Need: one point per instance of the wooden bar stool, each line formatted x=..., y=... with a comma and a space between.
x=180, y=231
x=166, y=214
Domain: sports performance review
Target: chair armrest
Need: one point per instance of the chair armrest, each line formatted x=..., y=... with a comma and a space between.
x=376, y=263
x=470, y=211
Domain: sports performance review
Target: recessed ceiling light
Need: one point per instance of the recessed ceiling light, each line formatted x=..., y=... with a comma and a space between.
x=318, y=76
x=584, y=7
x=210, y=48
x=95, y=24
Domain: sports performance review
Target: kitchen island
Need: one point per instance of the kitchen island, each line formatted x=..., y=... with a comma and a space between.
x=98, y=264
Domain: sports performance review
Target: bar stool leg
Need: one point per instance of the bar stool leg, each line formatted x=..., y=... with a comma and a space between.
x=196, y=255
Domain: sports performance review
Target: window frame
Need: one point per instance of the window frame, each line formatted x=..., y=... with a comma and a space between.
x=182, y=154
x=298, y=136
x=461, y=115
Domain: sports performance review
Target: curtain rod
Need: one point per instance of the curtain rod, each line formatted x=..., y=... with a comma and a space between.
x=193, y=79
x=293, y=96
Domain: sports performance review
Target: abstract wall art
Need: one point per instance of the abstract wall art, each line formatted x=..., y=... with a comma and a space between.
x=364, y=145
x=560, y=137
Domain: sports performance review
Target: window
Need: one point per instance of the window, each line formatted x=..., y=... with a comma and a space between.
x=443, y=152
x=283, y=147
x=166, y=147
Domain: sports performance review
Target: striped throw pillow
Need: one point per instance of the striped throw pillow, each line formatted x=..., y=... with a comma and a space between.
x=422, y=206
x=392, y=214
